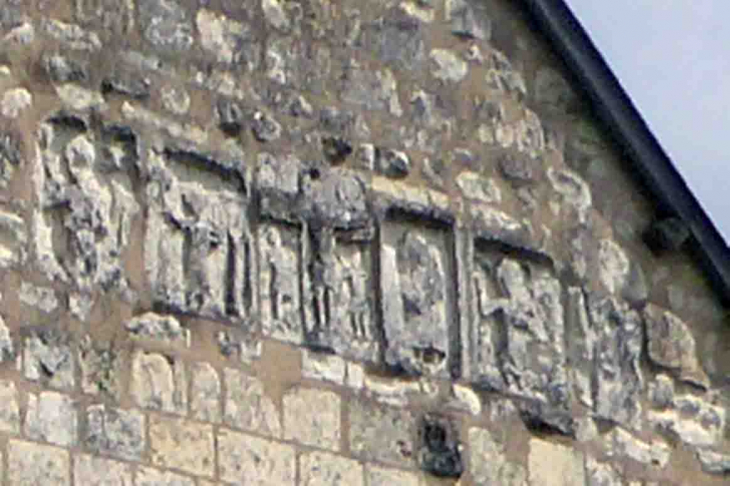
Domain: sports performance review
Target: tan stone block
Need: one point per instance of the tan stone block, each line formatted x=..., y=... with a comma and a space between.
x=319, y=468
x=382, y=434
x=115, y=431
x=9, y=410
x=205, y=393
x=380, y=476
x=312, y=417
x=32, y=464
x=182, y=444
x=97, y=471
x=247, y=407
x=555, y=465
x=253, y=461
x=51, y=417
x=147, y=476
x=325, y=367
x=159, y=383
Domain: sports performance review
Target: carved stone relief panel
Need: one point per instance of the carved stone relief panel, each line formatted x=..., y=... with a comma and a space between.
x=341, y=316
x=518, y=335
x=84, y=182
x=418, y=280
x=199, y=246
x=280, y=284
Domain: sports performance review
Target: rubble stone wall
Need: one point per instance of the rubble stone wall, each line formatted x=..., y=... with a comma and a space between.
x=317, y=242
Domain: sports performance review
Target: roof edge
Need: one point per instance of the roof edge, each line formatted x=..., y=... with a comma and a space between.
x=614, y=108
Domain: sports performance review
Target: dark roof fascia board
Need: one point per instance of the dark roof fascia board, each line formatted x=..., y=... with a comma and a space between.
x=614, y=108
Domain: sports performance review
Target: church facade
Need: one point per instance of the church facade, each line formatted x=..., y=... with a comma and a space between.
x=304, y=242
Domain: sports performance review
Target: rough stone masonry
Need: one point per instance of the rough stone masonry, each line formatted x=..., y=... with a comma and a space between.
x=307, y=242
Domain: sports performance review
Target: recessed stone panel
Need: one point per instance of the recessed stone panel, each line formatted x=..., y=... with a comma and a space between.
x=341, y=317
x=418, y=288
x=517, y=330
x=199, y=248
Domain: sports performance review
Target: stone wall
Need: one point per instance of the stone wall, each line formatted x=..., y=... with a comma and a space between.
x=315, y=242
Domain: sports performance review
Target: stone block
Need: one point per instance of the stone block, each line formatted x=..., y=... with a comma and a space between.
x=7, y=348
x=159, y=382
x=160, y=329
x=205, y=393
x=253, y=461
x=325, y=367
x=42, y=298
x=165, y=23
x=323, y=468
x=380, y=476
x=116, y=432
x=382, y=434
x=622, y=444
x=98, y=471
x=312, y=417
x=9, y=410
x=51, y=417
x=182, y=444
x=555, y=465
x=48, y=358
x=672, y=346
x=147, y=476
x=32, y=464
x=247, y=407
x=101, y=368
x=487, y=461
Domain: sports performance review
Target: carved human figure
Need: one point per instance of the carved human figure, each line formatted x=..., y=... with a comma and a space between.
x=356, y=284
x=95, y=209
x=279, y=284
x=519, y=325
x=341, y=294
x=422, y=281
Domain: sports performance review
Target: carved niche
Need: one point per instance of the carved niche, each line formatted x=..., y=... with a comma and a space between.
x=418, y=287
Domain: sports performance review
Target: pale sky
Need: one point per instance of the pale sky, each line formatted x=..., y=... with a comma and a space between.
x=673, y=59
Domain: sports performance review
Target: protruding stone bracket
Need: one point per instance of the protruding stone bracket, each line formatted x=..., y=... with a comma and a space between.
x=439, y=447
x=666, y=235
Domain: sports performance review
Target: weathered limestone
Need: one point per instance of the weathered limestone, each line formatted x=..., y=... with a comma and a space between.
x=51, y=417
x=381, y=434
x=205, y=393
x=115, y=432
x=147, y=476
x=672, y=346
x=487, y=463
x=324, y=468
x=246, y=405
x=312, y=417
x=97, y=471
x=9, y=409
x=49, y=359
x=159, y=383
x=37, y=465
x=254, y=461
x=554, y=464
x=182, y=444
x=407, y=200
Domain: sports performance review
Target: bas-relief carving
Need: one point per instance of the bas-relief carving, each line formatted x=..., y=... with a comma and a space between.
x=418, y=289
x=517, y=328
x=341, y=316
x=279, y=281
x=199, y=245
x=84, y=183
